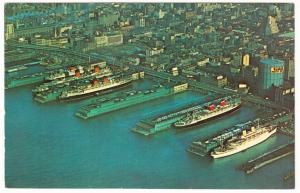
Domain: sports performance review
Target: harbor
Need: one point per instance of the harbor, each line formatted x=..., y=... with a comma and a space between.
x=88, y=137
x=123, y=100
x=149, y=95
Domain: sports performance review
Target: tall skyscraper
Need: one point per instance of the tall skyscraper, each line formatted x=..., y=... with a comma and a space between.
x=271, y=72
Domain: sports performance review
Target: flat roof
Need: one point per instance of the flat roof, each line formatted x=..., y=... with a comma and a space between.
x=287, y=35
x=272, y=61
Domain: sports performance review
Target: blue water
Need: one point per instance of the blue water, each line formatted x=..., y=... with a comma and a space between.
x=47, y=146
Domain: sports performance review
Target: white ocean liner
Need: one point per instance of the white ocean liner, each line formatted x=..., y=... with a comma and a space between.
x=209, y=112
x=244, y=141
x=95, y=86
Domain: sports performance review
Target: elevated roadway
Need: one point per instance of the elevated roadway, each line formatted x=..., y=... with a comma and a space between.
x=162, y=75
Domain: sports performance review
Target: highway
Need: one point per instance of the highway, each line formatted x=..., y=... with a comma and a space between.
x=163, y=75
x=211, y=88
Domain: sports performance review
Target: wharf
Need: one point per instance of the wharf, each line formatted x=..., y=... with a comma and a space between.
x=205, y=87
x=287, y=131
x=162, y=122
x=54, y=90
x=44, y=98
x=209, y=88
x=287, y=127
x=58, y=83
x=125, y=99
x=202, y=146
x=16, y=68
x=12, y=82
x=24, y=80
x=268, y=158
x=53, y=95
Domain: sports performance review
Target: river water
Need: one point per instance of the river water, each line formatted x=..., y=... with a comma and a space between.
x=47, y=146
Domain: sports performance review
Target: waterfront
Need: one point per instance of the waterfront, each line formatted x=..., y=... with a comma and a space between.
x=48, y=146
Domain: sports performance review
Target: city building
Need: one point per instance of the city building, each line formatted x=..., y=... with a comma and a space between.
x=271, y=27
x=9, y=31
x=271, y=74
x=55, y=42
x=109, y=39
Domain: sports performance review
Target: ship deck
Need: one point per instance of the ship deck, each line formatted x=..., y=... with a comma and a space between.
x=165, y=120
x=210, y=142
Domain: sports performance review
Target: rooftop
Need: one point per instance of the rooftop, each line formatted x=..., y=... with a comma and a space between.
x=272, y=61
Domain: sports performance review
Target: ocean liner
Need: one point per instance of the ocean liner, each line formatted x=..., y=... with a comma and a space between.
x=214, y=109
x=244, y=141
x=95, y=86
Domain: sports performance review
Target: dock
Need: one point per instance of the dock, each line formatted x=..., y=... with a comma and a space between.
x=267, y=158
x=150, y=126
x=50, y=91
x=24, y=80
x=16, y=68
x=202, y=146
x=205, y=145
x=125, y=99
x=206, y=87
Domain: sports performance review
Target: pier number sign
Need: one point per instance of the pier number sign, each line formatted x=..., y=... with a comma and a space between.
x=277, y=69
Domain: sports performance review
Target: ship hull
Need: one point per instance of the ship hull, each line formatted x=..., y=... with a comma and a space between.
x=85, y=95
x=206, y=120
x=245, y=146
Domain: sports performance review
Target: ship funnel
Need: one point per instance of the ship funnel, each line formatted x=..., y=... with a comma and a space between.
x=72, y=68
x=106, y=81
x=77, y=73
x=222, y=103
x=96, y=68
x=211, y=107
x=253, y=129
x=94, y=82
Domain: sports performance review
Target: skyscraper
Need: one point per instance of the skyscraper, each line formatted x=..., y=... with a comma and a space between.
x=271, y=72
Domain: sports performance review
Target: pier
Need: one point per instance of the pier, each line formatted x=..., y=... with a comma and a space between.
x=162, y=122
x=111, y=103
x=25, y=80
x=267, y=158
x=202, y=146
